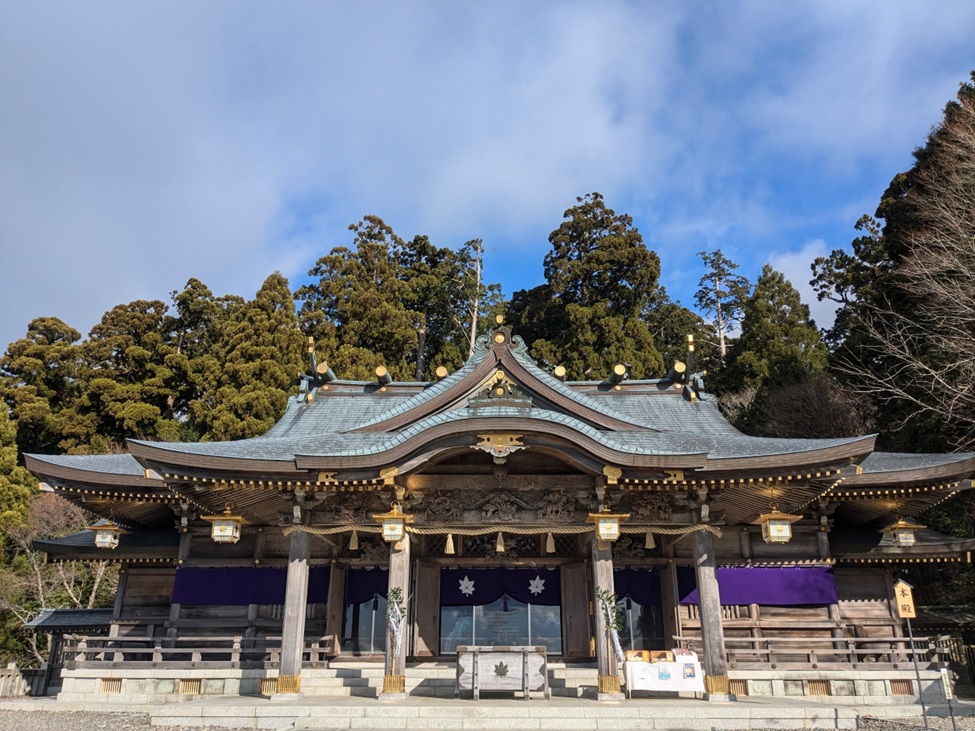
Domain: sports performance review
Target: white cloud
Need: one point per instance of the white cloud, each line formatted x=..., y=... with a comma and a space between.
x=141, y=145
x=795, y=266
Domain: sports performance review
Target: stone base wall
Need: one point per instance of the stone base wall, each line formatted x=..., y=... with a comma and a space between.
x=173, y=685
x=119, y=685
x=842, y=686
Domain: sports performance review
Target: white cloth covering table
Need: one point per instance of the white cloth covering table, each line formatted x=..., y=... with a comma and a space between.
x=684, y=674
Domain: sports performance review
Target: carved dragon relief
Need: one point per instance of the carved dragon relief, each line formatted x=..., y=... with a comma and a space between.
x=355, y=507
x=443, y=508
x=651, y=506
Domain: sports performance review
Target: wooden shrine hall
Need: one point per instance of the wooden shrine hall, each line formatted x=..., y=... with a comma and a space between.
x=501, y=506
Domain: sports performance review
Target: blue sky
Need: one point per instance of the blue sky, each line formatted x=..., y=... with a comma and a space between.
x=142, y=144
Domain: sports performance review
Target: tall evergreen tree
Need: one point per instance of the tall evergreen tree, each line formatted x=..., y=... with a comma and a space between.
x=778, y=345
x=40, y=377
x=722, y=294
x=670, y=323
x=17, y=485
x=129, y=388
x=260, y=352
x=357, y=309
x=195, y=329
x=601, y=278
x=408, y=305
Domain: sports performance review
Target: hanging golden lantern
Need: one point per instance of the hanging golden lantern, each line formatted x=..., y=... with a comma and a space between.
x=607, y=524
x=903, y=532
x=225, y=528
x=394, y=523
x=776, y=525
x=106, y=534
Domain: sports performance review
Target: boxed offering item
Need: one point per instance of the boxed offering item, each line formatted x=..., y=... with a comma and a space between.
x=661, y=656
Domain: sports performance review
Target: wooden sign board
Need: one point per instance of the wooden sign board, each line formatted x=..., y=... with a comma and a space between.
x=904, y=597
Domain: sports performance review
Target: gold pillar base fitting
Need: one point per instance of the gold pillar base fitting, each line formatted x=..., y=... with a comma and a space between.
x=289, y=684
x=394, y=684
x=717, y=684
x=608, y=683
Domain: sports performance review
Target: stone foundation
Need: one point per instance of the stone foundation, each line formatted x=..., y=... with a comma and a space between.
x=173, y=685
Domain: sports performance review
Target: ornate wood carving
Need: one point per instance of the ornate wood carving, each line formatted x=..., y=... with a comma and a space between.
x=354, y=508
x=627, y=547
x=441, y=508
x=499, y=508
x=557, y=506
x=651, y=506
x=499, y=446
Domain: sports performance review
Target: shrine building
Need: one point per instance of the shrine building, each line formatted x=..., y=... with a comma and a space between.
x=501, y=506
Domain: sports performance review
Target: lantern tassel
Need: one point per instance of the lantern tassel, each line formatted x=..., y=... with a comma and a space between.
x=550, y=544
x=499, y=544
x=449, y=546
x=354, y=541
x=650, y=543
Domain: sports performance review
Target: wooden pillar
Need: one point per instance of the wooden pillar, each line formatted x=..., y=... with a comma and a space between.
x=394, y=678
x=175, y=610
x=335, y=611
x=709, y=605
x=669, y=602
x=608, y=679
x=295, y=607
x=119, y=605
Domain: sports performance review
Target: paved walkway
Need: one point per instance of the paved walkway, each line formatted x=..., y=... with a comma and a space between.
x=502, y=714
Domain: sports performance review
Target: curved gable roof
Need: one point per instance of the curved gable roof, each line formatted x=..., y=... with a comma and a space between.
x=510, y=356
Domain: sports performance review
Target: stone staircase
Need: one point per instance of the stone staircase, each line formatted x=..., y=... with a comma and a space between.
x=430, y=679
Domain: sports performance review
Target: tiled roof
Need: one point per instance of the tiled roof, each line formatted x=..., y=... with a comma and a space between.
x=68, y=620
x=650, y=418
x=900, y=461
x=110, y=464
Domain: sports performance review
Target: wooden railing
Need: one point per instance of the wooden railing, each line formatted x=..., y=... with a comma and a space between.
x=198, y=652
x=822, y=652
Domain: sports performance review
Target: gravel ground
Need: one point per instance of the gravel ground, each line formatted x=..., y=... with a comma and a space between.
x=45, y=720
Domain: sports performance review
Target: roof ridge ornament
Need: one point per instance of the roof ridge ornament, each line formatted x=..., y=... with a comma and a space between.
x=500, y=390
x=499, y=445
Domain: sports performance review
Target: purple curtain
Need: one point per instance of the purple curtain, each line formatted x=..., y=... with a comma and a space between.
x=475, y=587
x=244, y=585
x=772, y=586
x=363, y=585
x=640, y=585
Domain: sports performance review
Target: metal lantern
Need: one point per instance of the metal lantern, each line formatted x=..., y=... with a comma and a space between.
x=106, y=534
x=394, y=523
x=607, y=524
x=903, y=532
x=225, y=528
x=776, y=525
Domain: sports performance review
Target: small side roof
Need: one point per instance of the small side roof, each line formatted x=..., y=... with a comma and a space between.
x=71, y=620
x=140, y=544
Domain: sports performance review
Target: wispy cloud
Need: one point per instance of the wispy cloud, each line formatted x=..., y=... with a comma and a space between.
x=141, y=144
